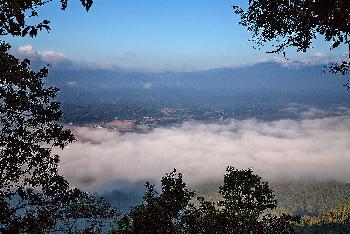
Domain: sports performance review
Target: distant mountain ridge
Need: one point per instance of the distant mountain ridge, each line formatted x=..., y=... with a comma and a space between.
x=268, y=75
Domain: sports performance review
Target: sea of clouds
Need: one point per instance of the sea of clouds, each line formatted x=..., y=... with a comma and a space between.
x=306, y=149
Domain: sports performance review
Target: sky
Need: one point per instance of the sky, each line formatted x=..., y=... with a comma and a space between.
x=151, y=35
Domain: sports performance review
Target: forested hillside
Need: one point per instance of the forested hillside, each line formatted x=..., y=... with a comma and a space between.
x=312, y=199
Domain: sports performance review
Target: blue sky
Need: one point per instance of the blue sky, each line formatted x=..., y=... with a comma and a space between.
x=150, y=34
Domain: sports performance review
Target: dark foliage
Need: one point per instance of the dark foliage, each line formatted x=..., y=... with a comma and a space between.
x=33, y=196
x=28, y=127
x=14, y=16
x=297, y=23
x=159, y=214
x=245, y=198
x=245, y=194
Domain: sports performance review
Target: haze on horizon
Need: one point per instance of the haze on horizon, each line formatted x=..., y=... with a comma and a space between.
x=175, y=35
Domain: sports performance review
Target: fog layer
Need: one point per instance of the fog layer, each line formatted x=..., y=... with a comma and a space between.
x=307, y=149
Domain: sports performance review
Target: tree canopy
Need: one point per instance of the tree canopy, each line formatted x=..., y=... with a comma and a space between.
x=34, y=197
x=245, y=197
x=15, y=14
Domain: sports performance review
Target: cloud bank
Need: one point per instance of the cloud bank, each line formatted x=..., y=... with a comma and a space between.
x=60, y=60
x=308, y=149
x=46, y=55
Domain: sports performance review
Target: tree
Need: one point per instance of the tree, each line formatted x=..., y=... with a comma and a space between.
x=297, y=24
x=159, y=214
x=34, y=198
x=245, y=199
x=14, y=16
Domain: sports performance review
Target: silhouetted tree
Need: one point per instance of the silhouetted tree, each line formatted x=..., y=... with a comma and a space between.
x=245, y=199
x=14, y=15
x=34, y=198
x=298, y=23
x=159, y=214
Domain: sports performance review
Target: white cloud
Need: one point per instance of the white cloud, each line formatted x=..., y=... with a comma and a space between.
x=49, y=54
x=318, y=54
x=27, y=49
x=317, y=149
x=316, y=58
x=72, y=83
x=147, y=86
x=46, y=55
x=313, y=112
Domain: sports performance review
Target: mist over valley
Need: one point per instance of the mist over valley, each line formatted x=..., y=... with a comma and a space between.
x=290, y=124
